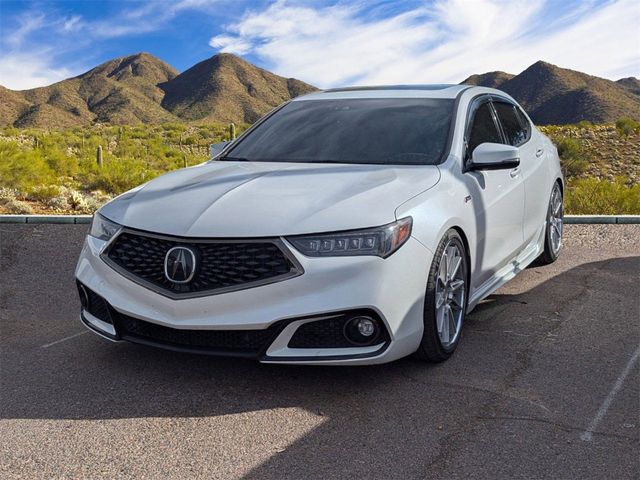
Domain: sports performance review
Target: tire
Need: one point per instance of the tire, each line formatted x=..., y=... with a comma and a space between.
x=555, y=227
x=454, y=292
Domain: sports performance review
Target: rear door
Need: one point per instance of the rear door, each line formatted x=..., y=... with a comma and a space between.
x=518, y=132
x=498, y=197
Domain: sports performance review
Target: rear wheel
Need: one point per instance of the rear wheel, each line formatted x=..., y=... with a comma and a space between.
x=555, y=227
x=445, y=301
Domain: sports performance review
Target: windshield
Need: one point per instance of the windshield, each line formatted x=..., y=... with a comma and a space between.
x=394, y=131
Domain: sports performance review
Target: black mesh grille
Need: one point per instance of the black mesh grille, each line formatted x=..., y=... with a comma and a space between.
x=220, y=265
x=329, y=333
x=96, y=305
x=214, y=341
x=321, y=334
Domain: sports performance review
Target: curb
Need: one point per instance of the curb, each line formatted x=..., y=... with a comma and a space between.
x=46, y=219
x=601, y=219
x=85, y=219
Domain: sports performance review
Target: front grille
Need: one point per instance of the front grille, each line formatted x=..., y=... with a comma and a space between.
x=220, y=265
x=249, y=342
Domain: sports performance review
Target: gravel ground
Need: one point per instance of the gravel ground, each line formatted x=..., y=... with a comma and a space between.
x=543, y=385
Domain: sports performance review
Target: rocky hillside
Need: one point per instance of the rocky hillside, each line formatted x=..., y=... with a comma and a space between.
x=554, y=95
x=606, y=153
x=143, y=89
x=224, y=88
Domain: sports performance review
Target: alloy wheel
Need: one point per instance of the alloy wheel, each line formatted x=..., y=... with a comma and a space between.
x=556, y=222
x=450, y=294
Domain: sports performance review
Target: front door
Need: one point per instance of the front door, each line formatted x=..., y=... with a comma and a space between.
x=498, y=197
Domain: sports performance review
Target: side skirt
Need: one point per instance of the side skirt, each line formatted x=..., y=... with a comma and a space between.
x=506, y=273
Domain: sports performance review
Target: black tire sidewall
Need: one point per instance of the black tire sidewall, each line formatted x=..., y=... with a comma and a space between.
x=550, y=255
x=431, y=344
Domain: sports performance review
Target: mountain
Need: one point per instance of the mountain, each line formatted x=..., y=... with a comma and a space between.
x=554, y=95
x=630, y=83
x=227, y=88
x=489, y=79
x=143, y=89
x=123, y=90
x=224, y=88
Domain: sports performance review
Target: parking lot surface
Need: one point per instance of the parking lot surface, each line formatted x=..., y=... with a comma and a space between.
x=545, y=384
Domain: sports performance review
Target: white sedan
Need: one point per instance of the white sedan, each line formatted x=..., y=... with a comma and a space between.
x=350, y=226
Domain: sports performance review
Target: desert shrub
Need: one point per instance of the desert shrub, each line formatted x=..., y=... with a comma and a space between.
x=117, y=175
x=584, y=124
x=627, y=126
x=593, y=196
x=572, y=156
x=22, y=169
x=16, y=207
x=43, y=193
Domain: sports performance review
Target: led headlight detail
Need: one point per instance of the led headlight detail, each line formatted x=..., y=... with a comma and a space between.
x=378, y=241
x=102, y=228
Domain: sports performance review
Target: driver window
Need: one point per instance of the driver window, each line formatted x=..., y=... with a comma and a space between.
x=483, y=128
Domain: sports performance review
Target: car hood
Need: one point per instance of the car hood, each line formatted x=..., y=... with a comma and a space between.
x=255, y=199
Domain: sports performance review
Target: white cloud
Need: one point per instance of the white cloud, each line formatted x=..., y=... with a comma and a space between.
x=72, y=24
x=28, y=23
x=27, y=63
x=24, y=71
x=444, y=42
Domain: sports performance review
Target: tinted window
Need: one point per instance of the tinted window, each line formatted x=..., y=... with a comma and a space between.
x=524, y=121
x=511, y=124
x=382, y=131
x=483, y=128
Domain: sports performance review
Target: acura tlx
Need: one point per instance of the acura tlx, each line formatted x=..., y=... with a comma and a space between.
x=349, y=226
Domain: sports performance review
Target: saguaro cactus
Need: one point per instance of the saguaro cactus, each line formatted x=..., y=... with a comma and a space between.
x=232, y=131
x=99, y=156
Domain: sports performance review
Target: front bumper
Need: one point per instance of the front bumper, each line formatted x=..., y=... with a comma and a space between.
x=392, y=289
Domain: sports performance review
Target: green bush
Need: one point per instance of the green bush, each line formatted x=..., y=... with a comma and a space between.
x=603, y=197
x=22, y=169
x=572, y=156
x=627, y=126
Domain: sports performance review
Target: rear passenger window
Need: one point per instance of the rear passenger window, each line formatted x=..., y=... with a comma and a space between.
x=511, y=125
x=483, y=128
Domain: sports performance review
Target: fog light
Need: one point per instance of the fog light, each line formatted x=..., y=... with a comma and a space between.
x=366, y=327
x=362, y=330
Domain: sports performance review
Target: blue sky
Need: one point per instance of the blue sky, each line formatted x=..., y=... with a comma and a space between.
x=326, y=43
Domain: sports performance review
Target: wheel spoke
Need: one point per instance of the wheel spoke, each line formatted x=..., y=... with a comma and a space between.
x=443, y=271
x=440, y=298
x=456, y=284
x=457, y=261
x=444, y=336
x=452, y=323
x=440, y=320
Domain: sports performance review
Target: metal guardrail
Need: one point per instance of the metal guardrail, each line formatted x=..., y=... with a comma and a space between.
x=84, y=219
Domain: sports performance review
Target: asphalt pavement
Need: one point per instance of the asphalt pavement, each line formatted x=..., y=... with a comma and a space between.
x=545, y=384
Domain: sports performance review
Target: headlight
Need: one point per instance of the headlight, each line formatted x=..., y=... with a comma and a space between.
x=102, y=228
x=377, y=241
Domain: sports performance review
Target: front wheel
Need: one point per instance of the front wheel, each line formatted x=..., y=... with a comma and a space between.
x=445, y=301
x=555, y=227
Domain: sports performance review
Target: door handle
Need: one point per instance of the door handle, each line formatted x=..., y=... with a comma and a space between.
x=539, y=152
x=515, y=172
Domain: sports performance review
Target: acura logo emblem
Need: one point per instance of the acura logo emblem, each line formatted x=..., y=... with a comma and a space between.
x=180, y=265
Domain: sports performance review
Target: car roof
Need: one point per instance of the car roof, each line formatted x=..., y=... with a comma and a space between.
x=388, y=91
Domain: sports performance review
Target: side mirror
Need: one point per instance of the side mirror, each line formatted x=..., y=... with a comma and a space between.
x=216, y=149
x=494, y=156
